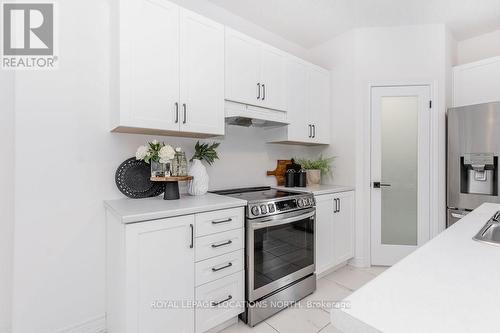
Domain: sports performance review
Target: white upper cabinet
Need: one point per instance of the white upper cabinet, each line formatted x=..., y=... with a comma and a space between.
x=171, y=71
x=273, y=78
x=299, y=129
x=477, y=82
x=308, y=105
x=255, y=72
x=242, y=68
x=202, y=74
x=149, y=65
x=318, y=103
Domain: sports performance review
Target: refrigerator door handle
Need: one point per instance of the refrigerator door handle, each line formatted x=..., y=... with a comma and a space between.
x=457, y=216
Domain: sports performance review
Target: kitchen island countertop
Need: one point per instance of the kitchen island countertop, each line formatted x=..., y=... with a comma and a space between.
x=448, y=285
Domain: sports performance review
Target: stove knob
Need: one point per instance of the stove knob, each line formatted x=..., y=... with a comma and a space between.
x=263, y=209
x=311, y=201
x=300, y=203
x=271, y=208
x=255, y=210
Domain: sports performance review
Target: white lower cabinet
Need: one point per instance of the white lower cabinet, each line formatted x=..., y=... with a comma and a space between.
x=334, y=230
x=154, y=278
x=220, y=301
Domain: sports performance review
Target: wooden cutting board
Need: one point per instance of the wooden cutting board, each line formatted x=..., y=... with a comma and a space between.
x=280, y=171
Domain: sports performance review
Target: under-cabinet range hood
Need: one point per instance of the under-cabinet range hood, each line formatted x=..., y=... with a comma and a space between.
x=253, y=116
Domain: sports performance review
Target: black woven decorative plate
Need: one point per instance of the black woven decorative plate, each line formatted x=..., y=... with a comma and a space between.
x=132, y=179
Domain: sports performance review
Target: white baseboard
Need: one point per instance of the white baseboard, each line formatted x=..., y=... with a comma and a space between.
x=360, y=262
x=94, y=325
x=223, y=326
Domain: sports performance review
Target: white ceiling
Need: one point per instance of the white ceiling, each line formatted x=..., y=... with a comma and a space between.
x=312, y=22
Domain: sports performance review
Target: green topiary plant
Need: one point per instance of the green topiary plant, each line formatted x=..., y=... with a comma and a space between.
x=205, y=152
x=323, y=164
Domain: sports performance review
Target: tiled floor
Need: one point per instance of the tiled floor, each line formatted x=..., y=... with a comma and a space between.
x=333, y=287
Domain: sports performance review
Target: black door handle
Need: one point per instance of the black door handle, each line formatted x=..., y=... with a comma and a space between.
x=379, y=185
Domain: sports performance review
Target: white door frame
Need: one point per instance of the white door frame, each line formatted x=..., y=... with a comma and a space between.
x=363, y=195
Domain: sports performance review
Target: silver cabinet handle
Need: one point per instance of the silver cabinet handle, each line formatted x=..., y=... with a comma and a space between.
x=176, y=112
x=185, y=113
x=263, y=91
x=222, y=244
x=225, y=300
x=314, y=131
x=335, y=205
x=310, y=130
x=222, y=221
x=221, y=268
x=258, y=90
x=192, y=236
x=340, y=207
x=457, y=216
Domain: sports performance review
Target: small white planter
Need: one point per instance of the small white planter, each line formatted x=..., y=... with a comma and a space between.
x=313, y=177
x=199, y=184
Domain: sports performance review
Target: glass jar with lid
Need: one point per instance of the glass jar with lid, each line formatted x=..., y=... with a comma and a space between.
x=179, y=167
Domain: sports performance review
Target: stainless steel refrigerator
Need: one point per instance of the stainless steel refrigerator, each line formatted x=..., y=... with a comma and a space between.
x=472, y=162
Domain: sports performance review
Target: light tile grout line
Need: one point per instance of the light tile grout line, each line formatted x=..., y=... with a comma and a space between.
x=323, y=327
x=272, y=327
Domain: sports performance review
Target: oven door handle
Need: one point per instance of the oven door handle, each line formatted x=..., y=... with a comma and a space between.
x=273, y=223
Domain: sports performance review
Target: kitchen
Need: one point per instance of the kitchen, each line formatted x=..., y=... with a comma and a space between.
x=54, y=252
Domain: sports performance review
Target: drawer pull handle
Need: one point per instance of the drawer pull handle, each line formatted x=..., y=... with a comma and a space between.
x=221, y=268
x=220, y=302
x=222, y=221
x=222, y=244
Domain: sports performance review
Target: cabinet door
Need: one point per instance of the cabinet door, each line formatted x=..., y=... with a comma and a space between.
x=273, y=78
x=319, y=104
x=297, y=73
x=160, y=267
x=242, y=69
x=149, y=64
x=343, y=231
x=477, y=82
x=324, y=233
x=202, y=74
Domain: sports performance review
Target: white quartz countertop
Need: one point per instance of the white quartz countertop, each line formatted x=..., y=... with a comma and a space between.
x=319, y=189
x=448, y=285
x=137, y=210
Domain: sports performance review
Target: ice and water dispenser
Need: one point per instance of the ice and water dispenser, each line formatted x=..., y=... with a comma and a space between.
x=479, y=174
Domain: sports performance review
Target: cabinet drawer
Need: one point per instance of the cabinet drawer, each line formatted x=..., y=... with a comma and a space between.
x=211, y=314
x=217, y=244
x=218, y=267
x=218, y=221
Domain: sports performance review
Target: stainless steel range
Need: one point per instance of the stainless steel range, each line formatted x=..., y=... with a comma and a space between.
x=280, y=227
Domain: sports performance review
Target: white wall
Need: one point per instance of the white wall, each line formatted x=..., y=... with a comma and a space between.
x=6, y=196
x=65, y=169
x=479, y=47
x=395, y=55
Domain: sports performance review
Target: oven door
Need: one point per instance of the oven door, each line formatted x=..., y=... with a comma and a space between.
x=280, y=251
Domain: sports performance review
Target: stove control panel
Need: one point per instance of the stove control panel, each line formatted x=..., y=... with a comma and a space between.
x=281, y=206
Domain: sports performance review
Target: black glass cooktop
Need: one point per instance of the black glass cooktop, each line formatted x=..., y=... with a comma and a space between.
x=256, y=193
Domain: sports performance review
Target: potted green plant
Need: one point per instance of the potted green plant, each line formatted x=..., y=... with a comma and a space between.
x=203, y=152
x=315, y=168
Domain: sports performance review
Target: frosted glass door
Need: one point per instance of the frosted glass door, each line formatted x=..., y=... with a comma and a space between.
x=399, y=148
x=400, y=171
